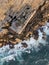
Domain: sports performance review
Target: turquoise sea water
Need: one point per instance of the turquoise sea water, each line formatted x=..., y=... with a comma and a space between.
x=37, y=52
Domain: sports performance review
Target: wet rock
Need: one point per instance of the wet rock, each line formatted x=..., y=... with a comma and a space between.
x=1, y=44
x=24, y=44
x=41, y=29
x=29, y=34
x=35, y=34
x=44, y=33
x=18, y=40
x=44, y=37
x=48, y=21
x=11, y=45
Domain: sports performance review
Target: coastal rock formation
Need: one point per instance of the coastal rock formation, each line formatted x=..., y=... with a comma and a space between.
x=19, y=21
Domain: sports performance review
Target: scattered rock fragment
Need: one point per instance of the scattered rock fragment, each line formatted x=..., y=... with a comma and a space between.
x=24, y=44
x=44, y=37
x=18, y=40
x=35, y=34
x=1, y=44
x=48, y=21
x=11, y=46
x=29, y=34
x=41, y=29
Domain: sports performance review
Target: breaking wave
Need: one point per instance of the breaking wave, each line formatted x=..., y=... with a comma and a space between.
x=8, y=55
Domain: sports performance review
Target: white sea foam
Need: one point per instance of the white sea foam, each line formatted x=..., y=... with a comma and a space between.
x=7, y=54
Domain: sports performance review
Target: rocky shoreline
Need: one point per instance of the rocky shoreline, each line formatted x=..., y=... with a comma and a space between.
x=7, y=37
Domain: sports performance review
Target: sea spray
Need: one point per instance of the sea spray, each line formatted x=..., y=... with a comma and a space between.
x=7, y=54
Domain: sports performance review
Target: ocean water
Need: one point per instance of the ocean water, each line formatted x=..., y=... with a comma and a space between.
x=37, y=52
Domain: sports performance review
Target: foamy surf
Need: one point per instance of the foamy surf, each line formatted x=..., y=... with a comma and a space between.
x=7, y=54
